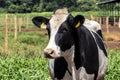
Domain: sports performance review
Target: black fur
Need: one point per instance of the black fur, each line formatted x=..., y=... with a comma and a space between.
x=63, y=37
x=60, y=67
x=39, y=19
x=100, y=33
x=100, y=43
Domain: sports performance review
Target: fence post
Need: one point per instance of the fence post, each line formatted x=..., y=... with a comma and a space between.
x=97, y=19
x=91, y=17
x=27, y=23
x=107, y=23
x=114, y=21
x=6, y=34
x=20, y=24
x=15, y=28
x=119, y=23
x=100, y=21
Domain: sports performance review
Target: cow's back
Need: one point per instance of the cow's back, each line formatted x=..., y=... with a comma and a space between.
x=92, y=52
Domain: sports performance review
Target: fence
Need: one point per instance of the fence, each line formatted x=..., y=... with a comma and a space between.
x=18, y=24
x=109, y=24
x=15, y=24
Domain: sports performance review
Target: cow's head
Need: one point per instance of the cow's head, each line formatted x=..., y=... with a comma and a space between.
x=59, y=28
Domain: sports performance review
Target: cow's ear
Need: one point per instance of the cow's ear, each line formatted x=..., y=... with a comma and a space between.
x=79, y=20
x=40, y=21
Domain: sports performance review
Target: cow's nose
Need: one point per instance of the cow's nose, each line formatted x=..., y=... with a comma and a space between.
x=48, y=53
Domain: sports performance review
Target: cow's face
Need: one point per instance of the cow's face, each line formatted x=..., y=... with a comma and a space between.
x=60, y=36
x=60, y=33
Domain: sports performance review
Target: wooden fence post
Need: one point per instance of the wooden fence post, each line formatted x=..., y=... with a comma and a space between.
x=91, y=17
x=119, y=23
x=20, y=24
x=107, y=23
x=100, y=21
x=114, y=21
x=15, y=28
x=27, y=23
x=96, y=18
x=6, y=34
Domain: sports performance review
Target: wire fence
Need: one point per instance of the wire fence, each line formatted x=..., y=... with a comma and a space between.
x=17, y=24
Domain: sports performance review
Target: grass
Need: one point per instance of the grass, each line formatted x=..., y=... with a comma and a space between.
x=18, y=68
x=25, y=60
x=114, y=65
x=47, y=14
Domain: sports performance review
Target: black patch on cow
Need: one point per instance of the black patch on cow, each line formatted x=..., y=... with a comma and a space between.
x=48, y=29
x=38, y=20
x=100, y=33
x=100, y=43
x=63, y=37
x=60, y=67
x=88, y=50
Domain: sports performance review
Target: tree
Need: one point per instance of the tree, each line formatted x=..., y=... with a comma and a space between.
x=25, y=6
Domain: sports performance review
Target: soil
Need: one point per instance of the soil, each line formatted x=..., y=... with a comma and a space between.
x=112, y=44
x=112, y=38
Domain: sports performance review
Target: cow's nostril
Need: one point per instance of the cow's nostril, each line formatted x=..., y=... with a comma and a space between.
x=52, y=52
x=47, y=55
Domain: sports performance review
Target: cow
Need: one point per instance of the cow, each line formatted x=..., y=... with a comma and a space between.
x=74, y=51
x=93, y=26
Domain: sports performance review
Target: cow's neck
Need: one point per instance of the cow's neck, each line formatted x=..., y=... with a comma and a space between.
x=70, y=60
x=69, y=56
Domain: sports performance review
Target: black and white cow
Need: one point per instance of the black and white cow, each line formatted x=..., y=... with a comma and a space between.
x=75, y=52
x=93, y=26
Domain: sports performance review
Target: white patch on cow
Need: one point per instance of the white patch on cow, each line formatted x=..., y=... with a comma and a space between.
x=103, y=64
x=84, y=76
x=69, y=57
x=92, y=25
x=55, y=23
x=51, y=67
x=67, y=76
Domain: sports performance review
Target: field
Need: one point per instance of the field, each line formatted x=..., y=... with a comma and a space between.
x=25, y=59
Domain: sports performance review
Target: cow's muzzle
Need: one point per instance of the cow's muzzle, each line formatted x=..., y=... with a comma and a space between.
x=49, y=53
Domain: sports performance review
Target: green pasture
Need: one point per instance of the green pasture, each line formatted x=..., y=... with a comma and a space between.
x=25, y=59
x=47, y=14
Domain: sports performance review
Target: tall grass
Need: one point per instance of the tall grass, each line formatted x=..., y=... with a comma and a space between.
x=114, y=65
x=25, y=57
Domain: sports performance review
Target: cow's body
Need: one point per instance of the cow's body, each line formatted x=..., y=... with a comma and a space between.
x=89, y=55
x=77, y=53
x=93, y=26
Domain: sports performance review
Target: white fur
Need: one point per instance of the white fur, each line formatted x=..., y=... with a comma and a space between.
x=92, y=25
x=103, y=62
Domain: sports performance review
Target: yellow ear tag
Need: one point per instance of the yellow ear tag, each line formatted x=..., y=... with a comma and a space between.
x=43, y=25
x=78, y=24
